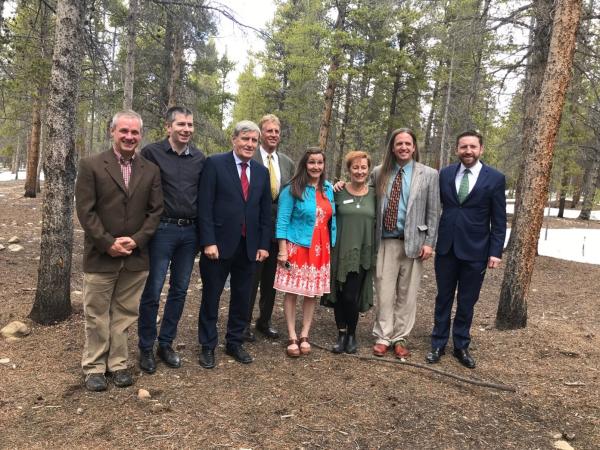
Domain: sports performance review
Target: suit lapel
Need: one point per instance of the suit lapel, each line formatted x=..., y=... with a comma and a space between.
x=415, y=183
x=452, y=183
x=114, y=170
x=233, y=173
x=137, y=170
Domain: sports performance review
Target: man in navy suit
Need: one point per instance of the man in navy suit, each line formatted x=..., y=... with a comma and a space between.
x=234, y=222
x=470, y=239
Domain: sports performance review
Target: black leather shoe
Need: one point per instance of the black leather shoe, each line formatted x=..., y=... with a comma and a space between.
x=147, y=361
x=267, y=331
x=238, y=353
x=351, y=344
x=95, y=382
x=435, y=355
x=340, y=345
x=169, y=356
x=463, y=356
x=122, y=378
x=207, y=358
x=248, y=335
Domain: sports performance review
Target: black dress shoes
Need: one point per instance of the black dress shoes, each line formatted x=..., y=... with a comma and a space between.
x=464, y=357
x=238, y=353
x=95, y=382
x=267, y=330
x=435, y=355
x=147, y=361
x=351, y=344
x=122, y=378
x=207, y=358
x=169, y=356
x=248, y=335
x=340, y=345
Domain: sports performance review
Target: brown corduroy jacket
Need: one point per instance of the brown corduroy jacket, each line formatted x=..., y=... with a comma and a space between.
x=107, y=210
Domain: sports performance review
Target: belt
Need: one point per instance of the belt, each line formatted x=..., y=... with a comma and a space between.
x=401, y=238
x=178, y=222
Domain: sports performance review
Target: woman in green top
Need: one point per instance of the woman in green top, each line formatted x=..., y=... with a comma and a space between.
x=353, y=258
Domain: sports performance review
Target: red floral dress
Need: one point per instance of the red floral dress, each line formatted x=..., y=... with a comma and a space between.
x=309, y=272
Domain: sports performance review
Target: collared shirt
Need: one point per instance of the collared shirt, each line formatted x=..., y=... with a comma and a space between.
x=264, y=155
x=180, y=177
x=125, y=165
x=238, y=165
x=475, y=170
x=403, y=202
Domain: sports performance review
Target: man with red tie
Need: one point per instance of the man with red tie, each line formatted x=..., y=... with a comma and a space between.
x=234, y=218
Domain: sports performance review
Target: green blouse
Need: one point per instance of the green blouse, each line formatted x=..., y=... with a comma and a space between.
x=355, y=243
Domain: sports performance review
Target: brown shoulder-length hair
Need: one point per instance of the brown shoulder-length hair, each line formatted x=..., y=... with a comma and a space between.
x=299, y=181
x=389, y=160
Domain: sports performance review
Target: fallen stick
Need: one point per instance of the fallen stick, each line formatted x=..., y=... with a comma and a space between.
x=488, y=384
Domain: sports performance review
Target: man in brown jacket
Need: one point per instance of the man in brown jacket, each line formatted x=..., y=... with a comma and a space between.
x=119, y=202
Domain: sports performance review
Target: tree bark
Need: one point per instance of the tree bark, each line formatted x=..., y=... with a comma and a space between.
x=539, y=150
x=345, y=119
x=332, y=77
x=590, y=186
x=176, y=68
x=534, y=75
x=52, y=298
x=444, y=158
x=33, y=151
x=564, y=185
x=130, y=58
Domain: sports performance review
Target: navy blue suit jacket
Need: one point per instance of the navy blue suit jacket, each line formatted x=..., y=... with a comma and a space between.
x=476, y=229
x=222, y=210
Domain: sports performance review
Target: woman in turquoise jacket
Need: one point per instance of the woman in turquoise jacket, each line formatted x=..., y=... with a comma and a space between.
x=306, y=233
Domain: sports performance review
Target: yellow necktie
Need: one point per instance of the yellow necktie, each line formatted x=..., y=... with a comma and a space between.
x=273, y=178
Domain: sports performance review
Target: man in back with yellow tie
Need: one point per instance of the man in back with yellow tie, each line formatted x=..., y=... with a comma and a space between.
x=281, y=170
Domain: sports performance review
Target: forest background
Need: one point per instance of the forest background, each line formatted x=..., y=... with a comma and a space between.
x=340, y=74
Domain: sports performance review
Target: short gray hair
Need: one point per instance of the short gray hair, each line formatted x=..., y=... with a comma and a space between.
x=244, y=126
x=125, y=113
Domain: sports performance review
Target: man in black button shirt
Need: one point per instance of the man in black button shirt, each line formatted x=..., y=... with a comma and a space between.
x=174, y=246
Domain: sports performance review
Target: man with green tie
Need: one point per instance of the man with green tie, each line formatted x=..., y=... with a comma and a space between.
x=281, y=170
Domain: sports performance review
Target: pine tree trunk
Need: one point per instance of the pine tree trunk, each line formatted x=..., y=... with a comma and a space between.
x=130, y=58
x=176, y=68
x=564, y=185
x=589, y=188
x=539, y=150
x=52, y=299
x=332, y=77
x=345, y=120
x=33, y=152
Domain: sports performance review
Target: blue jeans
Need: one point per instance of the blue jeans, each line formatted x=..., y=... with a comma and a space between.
x=175, y=246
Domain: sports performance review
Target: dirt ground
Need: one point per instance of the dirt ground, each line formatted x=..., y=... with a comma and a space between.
x=320, y=401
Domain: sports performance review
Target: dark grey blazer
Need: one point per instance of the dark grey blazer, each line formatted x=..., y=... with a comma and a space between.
x=286, y=168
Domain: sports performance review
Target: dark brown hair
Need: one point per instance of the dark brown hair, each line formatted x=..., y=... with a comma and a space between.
x=389, y=160
x=299, y=181
x=470, y=133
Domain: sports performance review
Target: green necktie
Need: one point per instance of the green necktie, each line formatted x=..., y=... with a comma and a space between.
x=463, y=189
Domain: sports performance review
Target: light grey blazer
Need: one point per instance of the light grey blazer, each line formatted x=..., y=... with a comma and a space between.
x=423, y=209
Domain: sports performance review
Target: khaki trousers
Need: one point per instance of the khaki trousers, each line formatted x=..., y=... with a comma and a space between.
x=110, y=306
x=397, y=281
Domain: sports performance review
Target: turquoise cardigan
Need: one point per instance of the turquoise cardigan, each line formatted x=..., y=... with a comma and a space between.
x=296, y=218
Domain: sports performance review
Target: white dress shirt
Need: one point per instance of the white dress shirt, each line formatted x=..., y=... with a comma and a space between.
x=475, y=170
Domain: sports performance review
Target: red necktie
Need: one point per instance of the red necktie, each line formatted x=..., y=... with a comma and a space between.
x=244, y=180
x=390, y=218
x=245, y=186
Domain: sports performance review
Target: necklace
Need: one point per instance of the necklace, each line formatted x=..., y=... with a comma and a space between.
x=358, y=198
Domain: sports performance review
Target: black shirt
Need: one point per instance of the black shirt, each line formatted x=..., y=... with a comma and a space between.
x=180, y=176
